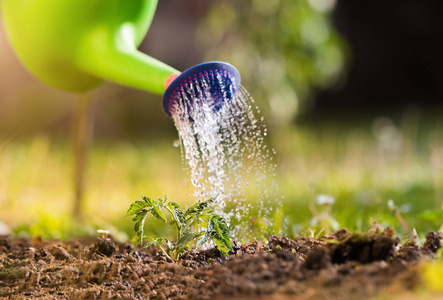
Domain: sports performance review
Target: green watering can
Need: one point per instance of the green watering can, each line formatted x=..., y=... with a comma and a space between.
x=77, y=44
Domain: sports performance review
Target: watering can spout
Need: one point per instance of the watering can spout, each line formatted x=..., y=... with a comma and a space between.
x=115, y=58
x=77, y=44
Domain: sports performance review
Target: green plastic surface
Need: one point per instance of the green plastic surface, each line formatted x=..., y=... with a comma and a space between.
x=76, y=44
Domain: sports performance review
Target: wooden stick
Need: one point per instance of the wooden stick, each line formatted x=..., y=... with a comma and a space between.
x=81, y=132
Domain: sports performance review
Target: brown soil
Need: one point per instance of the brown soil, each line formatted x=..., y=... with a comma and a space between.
x=343, y=265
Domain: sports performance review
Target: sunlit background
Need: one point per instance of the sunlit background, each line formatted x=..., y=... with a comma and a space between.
x=350, y=91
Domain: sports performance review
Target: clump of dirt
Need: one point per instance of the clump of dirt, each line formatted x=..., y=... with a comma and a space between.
x=104, y=246
x=362, y=248
x=433, y=241
x=342, y=265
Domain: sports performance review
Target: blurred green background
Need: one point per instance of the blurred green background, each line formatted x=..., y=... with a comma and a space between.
x=351, y=100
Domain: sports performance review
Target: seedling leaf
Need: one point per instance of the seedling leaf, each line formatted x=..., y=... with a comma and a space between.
x=137, y=205
x=184, y=240
x=199, y=207
x=139, y=220
x=148, y=200
x=180, y=216
x=206, y=236
x=136, y=240
x=221, y=234
x=162, y=201
x=157, y=212
x=174, y=204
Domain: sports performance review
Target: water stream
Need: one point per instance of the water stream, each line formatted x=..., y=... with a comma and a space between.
x=226, y=156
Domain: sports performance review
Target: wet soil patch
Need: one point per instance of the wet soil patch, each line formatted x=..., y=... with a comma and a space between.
x=342, y=265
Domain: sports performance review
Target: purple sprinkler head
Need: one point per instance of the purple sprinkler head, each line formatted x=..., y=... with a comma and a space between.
x=213, y=82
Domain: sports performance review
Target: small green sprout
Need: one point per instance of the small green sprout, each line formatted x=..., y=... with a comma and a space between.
x=396, y=212
x=198, y=223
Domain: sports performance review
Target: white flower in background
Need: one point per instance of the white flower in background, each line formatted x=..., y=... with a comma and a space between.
x=4, y=229
x=103, y=232
x=324, y=199
x=391, y=205
x=388, y=135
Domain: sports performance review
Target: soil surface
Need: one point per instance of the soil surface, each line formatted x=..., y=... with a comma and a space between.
x=342, y=265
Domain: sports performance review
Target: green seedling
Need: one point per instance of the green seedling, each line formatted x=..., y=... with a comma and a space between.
x=198, y=224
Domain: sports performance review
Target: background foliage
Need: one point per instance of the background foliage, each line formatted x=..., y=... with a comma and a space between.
x=284, y=49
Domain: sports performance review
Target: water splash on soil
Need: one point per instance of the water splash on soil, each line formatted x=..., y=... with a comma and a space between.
x=226, y=155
